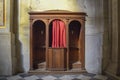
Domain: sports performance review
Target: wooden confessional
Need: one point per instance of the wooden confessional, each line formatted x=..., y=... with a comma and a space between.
x=44, y=54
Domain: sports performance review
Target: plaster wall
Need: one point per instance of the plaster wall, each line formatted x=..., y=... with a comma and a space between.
x=94, y=27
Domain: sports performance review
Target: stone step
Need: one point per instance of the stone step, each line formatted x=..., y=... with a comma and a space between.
x=42, y=65
x=76, y=64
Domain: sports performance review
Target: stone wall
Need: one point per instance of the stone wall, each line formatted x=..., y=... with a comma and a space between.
x=102, y=16
x=94, y=35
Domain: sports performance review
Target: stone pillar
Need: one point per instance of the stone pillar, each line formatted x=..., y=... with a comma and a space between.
x=119, y=38
x=7, y=45
x=107, y=36
x=113, y=60
x=112, y=65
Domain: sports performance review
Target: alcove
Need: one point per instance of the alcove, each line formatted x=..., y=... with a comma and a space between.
x=74, y=44
x=38, y=43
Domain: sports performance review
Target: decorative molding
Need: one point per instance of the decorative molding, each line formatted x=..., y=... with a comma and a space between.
x=2, y=13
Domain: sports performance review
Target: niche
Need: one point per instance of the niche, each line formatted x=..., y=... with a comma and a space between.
x=74, y=44
x=38, y=43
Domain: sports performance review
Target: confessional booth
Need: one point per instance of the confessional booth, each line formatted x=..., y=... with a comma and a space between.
x=57, y=40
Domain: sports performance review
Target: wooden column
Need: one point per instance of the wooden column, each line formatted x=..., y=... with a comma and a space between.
x=31, y=44
x=67, y=42
x=47, y=42
x=83, y=45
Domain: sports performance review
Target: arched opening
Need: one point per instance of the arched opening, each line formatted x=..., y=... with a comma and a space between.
x=57, y=34
x=38, y=43
x=74, y=44
x=57, y=46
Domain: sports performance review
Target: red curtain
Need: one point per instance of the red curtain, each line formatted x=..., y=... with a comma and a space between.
x=58, y=34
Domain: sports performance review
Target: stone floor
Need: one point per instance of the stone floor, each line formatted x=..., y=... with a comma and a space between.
x=83, y=76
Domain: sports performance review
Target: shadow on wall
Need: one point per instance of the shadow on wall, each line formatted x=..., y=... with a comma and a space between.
x=18, y=54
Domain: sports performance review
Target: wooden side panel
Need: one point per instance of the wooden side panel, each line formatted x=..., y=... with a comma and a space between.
x=56, y=58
